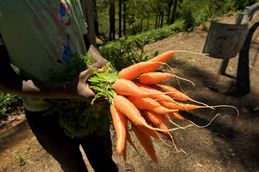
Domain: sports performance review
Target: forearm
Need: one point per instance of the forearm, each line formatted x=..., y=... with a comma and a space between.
x=96, y=55
x=29, y=88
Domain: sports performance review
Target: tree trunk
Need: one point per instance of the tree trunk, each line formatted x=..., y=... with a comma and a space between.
x=148, y=22
x=157, y=20
x=170, y=3
x=112, y=19
x=88, y=8
x=174, y=11
x=120, y=16
x=96, y=23
x=142, y=16
x=162, y=19
x=124, y=17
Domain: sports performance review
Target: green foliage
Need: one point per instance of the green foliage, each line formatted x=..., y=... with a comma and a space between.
x=189, y=21
x=129, y=50
x=101, y=83
x=20, y=158
x=6, y=103
x=72, y=69
x=241, y=4
x=78, y=118
x=142, y=15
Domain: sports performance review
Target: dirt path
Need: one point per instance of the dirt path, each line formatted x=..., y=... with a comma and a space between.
x=230, y=143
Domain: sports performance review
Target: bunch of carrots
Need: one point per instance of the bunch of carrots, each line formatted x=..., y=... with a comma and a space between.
x=139, y=94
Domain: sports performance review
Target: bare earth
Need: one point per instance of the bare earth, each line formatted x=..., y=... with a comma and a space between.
x=230, y=143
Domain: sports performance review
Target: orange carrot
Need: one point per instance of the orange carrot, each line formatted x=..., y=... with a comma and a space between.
x=153, y=120
x=120, y=126
x=128, y=88
x=158, y=121
x=176, y=94
x=152, y=78
x=163, y=57
x=180, y=106
x=149, y=104
x=173, y=92
x=154, y=93
x=131, y=112
x=176, y=115
x=133, y=71
x=146, y=142
x=150, y=132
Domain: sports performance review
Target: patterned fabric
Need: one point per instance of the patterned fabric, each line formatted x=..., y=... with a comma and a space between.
x=42, y=37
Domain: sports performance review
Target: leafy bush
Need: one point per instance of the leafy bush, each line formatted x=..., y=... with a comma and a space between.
x=129, y=50
x=6, y=103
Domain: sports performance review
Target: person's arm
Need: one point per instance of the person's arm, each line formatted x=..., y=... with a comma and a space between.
x=11, y=82
x=99, y=60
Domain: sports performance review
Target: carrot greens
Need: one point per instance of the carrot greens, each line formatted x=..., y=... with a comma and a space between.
x=101, y=83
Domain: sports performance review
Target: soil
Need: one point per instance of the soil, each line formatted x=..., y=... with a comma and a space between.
x=229, y=143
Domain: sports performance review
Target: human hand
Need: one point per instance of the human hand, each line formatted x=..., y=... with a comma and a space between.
x=79, y=88
x=98, y=58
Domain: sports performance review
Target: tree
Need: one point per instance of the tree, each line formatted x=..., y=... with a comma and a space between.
x=96, y=23
x=88, y=8
x=170, y=3
x=120, y=18
x=124, y=16
x=174, y=12
x=112, y=19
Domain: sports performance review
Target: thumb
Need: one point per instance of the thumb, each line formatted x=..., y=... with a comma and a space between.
x=84, y=75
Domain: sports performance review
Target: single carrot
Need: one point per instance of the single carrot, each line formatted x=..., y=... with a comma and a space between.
x=158, y=121
x=180, y=106
x=129, y=110
x=120, y=126
x=152, y=119
x=173, y=92
x=146, y=142
x=150, y=132
x=149, y=104
x=154, y=93
x=151, y=78
x=176, y=115
x=133, y=71
x=163, y=57
x=128, y=88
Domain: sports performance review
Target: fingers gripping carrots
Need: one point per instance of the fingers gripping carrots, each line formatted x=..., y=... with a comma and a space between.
x=138, y=95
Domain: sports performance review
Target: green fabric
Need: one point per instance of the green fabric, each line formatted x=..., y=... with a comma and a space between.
x=44, y=41
x=42, y=37
x=79, y=118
